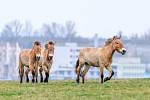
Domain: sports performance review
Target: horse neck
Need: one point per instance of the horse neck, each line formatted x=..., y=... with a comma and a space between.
x=109, y=51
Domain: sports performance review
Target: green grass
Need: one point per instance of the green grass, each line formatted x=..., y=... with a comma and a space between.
x=115, y=89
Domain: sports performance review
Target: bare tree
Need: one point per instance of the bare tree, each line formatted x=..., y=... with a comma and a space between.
x=27, y=29
x=47, y=31
x=70, y=28
x=12, y=29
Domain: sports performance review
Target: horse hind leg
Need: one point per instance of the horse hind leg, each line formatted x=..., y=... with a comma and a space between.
x=21, y=71
x=78, y=74
x=78, y=69
x=83, y=73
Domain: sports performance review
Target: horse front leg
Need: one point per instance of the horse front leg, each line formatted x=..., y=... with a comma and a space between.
x=33, y=72
x=102, y=73
x=111, y=73
x=83, y=73
x=46, y=74
x=36, y=72
x=27, y=72
x=41, y=75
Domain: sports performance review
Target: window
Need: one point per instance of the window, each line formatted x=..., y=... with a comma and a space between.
x=61, y=72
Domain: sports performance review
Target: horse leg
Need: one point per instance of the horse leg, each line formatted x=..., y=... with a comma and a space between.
x=78, y=74
x=46, y=74
x=36, y=72
x=102, y=73
x=33, y=72
x=41, y=70
x=83, y=73
x=111, y=73
x=33, y=75
x=27, y=72
x=21, y=71
x=49, y=67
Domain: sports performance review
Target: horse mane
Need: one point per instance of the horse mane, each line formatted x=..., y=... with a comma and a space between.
x=110, y=40
x=49, y=42
x=37, y=43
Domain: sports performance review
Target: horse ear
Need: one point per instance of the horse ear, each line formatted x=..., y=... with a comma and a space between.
x=32, y=44
x=54, y=42
x=119, y=36
x=114, y=37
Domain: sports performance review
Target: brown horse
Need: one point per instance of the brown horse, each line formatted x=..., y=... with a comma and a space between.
x=99, y=57
x=30, y=59
x=47, y=60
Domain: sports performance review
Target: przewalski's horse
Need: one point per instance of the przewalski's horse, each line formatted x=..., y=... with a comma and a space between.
x=47, y=60
x=30, y=59
x=99, y=57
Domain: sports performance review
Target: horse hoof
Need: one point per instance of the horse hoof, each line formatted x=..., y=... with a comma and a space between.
x=41, y=81
x=106, y=79
x=78, y=81
x=27, y=80
x=46, y=81
x=33, y=80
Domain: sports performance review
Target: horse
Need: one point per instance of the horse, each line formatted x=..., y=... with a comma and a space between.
x=47, y=60
x=99, y=57
x=30, y=59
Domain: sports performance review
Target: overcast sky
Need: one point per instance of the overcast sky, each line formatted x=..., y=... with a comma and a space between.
x=105, y=17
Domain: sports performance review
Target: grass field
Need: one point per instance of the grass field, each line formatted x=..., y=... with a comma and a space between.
x=115, y=89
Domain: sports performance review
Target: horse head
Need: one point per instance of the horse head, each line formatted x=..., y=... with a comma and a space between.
x=37, y=50
x=50, y=49
x=118, y=45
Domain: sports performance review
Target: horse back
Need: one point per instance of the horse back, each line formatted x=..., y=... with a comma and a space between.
x=90, y=56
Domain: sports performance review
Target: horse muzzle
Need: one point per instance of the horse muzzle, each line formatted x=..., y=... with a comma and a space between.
x=123, y=51
x=37, y=58
x=50, y=57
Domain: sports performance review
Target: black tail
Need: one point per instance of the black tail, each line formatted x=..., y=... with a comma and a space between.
x=77, y=64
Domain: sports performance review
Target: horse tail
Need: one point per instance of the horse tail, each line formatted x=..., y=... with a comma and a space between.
x=77, y=64
x=21, y=67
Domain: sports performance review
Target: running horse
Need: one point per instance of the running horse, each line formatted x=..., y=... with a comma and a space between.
x=99, y=57
x=30, y=58
x=47, y=60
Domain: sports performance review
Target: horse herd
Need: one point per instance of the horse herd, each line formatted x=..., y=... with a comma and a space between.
x=36, y=58
x=42, y=58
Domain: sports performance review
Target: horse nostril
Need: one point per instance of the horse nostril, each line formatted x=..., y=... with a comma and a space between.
x=50, y=57
x=123, y=52
x=37, y=58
